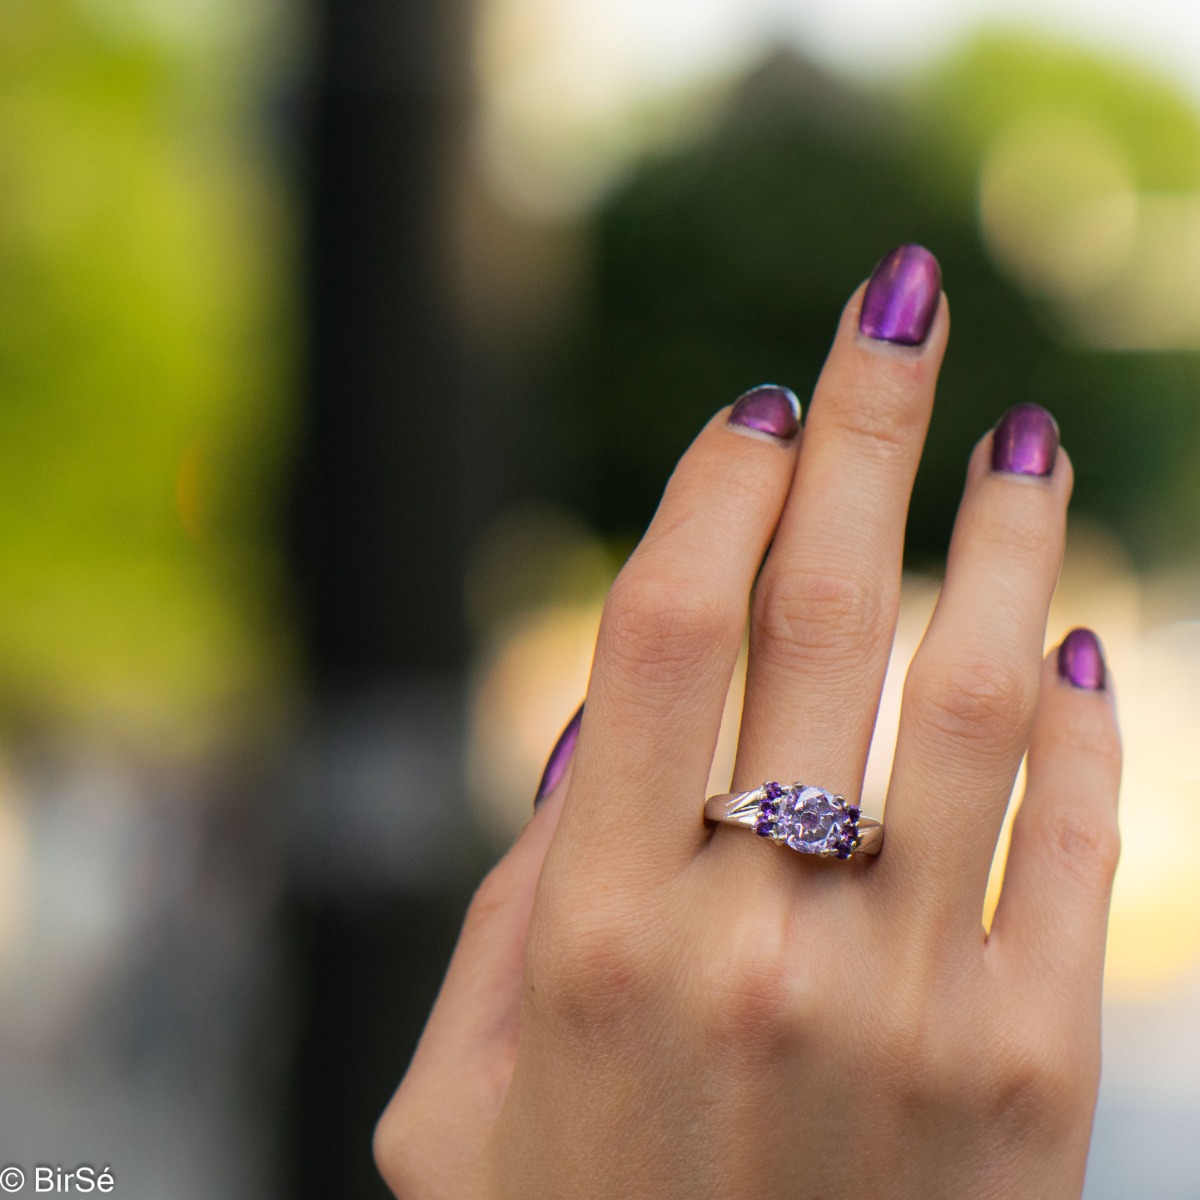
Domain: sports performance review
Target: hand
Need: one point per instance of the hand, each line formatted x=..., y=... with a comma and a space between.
x=643, y=1005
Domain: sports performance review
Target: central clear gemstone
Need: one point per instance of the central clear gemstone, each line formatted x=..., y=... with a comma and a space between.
x=814, y=821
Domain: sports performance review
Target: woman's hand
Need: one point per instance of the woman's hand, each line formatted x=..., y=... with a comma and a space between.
x=642, y=1005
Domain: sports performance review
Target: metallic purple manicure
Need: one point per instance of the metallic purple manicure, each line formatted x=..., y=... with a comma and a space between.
x=769, y=409
x=1081, y=660
x=902, y=297
x=1025, y=442
x=560, y=757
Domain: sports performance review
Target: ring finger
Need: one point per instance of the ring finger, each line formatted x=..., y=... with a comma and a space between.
x=825, y=607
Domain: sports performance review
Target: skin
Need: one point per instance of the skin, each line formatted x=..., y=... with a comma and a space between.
x=642, y=1005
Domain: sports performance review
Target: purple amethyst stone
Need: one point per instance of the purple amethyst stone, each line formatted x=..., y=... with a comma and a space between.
x=767, y=809
x=815, y=821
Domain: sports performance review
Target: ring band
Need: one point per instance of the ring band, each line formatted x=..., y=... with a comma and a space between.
x=811, y=820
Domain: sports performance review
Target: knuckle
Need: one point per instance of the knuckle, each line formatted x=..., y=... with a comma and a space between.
x=885, y=413
x=1088, y=845
x=954, y=1064
x=1037, y=1079
x=983, y=703
x=748, y=1002
x=953, y=1052
x=1010, y=1067
x=1020, y=527
x=589, y=970
x=804, y=613
x=662, y=628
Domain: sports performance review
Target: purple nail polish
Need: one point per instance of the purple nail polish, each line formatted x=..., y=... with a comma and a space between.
x=1025, y=442
x=769, y=409
x=560, y=756
x=902, y=297
x=1081, y=660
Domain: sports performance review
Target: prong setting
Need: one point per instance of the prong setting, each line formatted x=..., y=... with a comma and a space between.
x=810, y=820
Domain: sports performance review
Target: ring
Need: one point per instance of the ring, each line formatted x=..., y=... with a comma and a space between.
x=809, y=819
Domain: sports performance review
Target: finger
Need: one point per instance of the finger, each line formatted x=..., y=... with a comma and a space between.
x=825, y=607
x=971, y=690
x=1052, y=919
x=669, y=638
x=463, y=1062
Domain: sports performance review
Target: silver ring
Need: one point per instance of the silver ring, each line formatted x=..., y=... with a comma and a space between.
x=811, y=820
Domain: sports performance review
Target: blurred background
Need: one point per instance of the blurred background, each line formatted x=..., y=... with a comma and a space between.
x=344, y=350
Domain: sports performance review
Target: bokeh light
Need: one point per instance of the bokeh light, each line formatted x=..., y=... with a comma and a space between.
x=257, y=277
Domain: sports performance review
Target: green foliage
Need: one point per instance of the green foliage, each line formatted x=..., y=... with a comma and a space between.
x=140, y=375
x=1002, y=78
x=724, y=264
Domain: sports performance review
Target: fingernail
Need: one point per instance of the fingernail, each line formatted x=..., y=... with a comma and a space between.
x=902, y=296
x=769, y=409
x=1081, y=660
x=560, y=757
x=1025, y=442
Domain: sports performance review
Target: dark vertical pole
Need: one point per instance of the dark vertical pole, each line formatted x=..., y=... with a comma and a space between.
x=376, y=535
x=377, y=517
